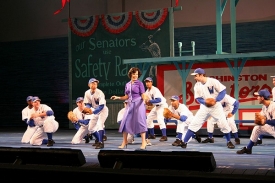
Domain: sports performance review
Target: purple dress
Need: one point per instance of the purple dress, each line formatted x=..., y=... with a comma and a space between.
x=134, y=118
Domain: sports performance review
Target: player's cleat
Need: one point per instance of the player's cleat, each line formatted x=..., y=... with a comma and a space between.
x=183, y=145
x=87, y=139
x=177, y=142
x=99, y=145
x=244, y=150
x=150, y=136
x=230, y=145
x=237, y=141
x=208, y=140
x=163, y=138
x=95, y=144
x=148, y=142
x=50, y=142
x=90, y=136
x=197, y=138
x=104, y=138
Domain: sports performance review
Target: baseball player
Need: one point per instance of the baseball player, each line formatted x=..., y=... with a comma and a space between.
x=204, y=88
x=156, y=99
x=230, y=106
x=25, y=114
x=260, y=138
x=94, y=98
x=82, y=124
x=268, y=111
x=42, y=115
x=130, y=137
x=183, y=116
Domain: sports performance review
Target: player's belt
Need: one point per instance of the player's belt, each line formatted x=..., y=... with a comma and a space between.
x=158, y=105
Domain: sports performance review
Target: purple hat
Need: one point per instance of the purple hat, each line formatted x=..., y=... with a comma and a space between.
x=35, y=99
x=148, y=79
x=93, y=80
x=198, y=71
x=263, y=93
x=79, y=99
x=175, y=97
x=29, y=98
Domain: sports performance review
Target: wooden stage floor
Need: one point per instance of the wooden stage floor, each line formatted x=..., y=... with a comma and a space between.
x=229, y=165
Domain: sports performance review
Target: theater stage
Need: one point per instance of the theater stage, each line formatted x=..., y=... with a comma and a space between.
x=255, y=167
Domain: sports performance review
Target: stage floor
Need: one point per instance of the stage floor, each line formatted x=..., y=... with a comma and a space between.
x=261, y=162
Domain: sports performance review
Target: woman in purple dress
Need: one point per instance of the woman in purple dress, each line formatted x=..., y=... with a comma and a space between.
x=134, y=118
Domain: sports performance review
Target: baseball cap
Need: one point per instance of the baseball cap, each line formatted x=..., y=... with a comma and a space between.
x=79, y=99
x=93, y=80
x=29, y=98
x=175, y=97
x=148, y=79
x=263, y=93
x=35, y=99
x=198, y=71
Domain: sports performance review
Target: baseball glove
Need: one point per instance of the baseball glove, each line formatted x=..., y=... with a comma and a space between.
x=72, y=117
x=259, y=119
x=167, y=114
x=209, y=102
x=87, y=110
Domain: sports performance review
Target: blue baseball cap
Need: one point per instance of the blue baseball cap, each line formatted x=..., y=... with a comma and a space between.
x=29, y=98
x=35, y=99
x=148, y=79
x=79, y=99
x=175, y=97
x=93, y=80
x=263, y=93
x=198, y=71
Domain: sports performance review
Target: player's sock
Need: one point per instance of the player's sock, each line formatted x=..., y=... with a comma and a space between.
x=50, y=136
x=44, y=141
x=260, y=137
x=151, y=131
x=100, y=136
x=227, y=136
x=250, y=145
x=96, y=135
x=179, y=136
x=188, y=135
x=210, y=135
x=163, y=131
x=235, y=135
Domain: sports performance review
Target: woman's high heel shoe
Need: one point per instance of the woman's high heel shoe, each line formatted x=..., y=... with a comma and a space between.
x=123, y=147
x=141, y=148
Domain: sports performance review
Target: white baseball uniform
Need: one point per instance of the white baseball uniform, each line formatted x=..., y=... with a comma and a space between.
x=227, y=104
x=273, y=94
x=98, y=117
x=157, y=111
x=46, y=124
x=210, y=89
x=30, y=130
x=182, y=126
x=269, y=113
x=83, y=129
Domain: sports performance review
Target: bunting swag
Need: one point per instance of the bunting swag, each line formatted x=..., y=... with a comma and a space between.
x=151, y=20
x=116, y=24
x=119, y=23
x=84, y=28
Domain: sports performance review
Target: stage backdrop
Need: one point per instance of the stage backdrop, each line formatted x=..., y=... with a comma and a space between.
x=99, y=43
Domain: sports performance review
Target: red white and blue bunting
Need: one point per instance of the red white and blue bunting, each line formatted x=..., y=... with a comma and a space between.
x=151, y=20
x=84, y=28
x=117, y=24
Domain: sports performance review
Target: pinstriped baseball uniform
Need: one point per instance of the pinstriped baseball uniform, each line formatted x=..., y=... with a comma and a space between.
x=95, y=99
x=210, y=89
x=227, y=103
x=30, y=130
x=182, y=126
x=157, y=111
x=269, y=113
